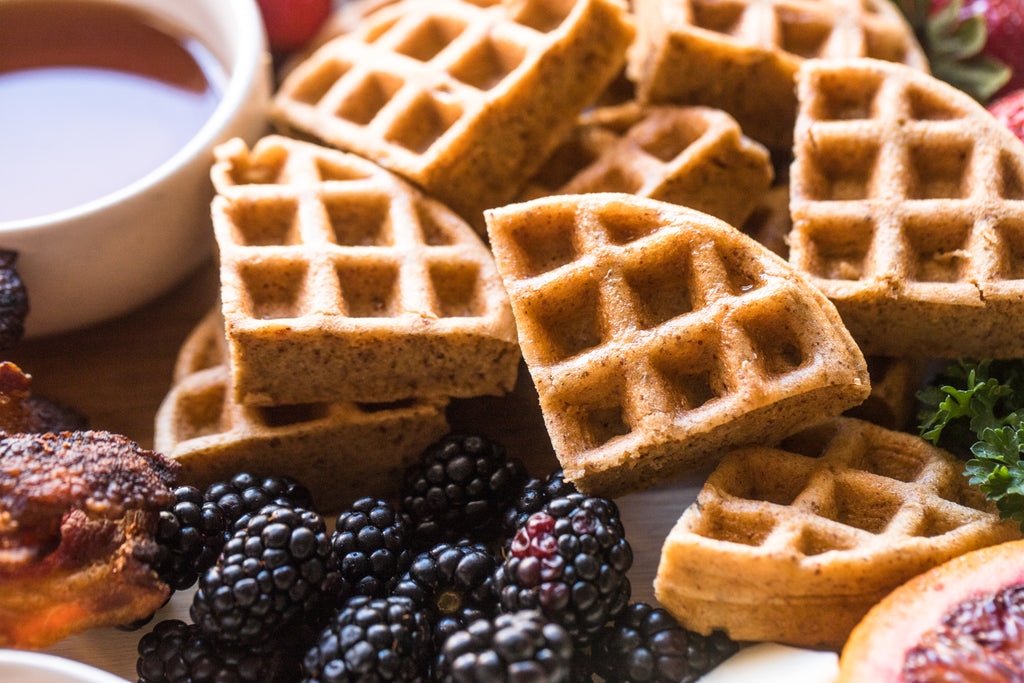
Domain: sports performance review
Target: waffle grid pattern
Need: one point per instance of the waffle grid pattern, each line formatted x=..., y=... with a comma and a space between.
x=322, y=254
x=902, y=189
x=856, y=492
x=644, y=324
x=426, y=85
x=213, y=436
x=758, y=44
x=691, y=156
x=795, y=543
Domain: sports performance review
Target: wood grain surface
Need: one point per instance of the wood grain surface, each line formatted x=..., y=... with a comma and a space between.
x=118, y=372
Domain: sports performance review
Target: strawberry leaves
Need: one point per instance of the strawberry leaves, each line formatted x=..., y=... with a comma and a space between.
x=955, y=41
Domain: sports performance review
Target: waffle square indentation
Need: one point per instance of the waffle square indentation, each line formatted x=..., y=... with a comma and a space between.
x=925, y=105
x=692, y=373
x=855, y=505
x=543, y=16
x=269, y=222
x=430, y=37
x=885, y=43
x=274, y=290
x=1012, y=174
x=368, y=97
x=938, y=249
x=457, y=287
x=569, y=320
x=488, y=62
x=317, y=84
x=426, y=119
x=843, y=99
x=360, y=220
x=841, y=169
x=814, y=541
x=719, y=17
x=660, y=286
x=543, y=246
x=939, y=171
x=665, y=143
x=839, y=252
x=778, y=346
x=1010, y=234
x=734, y=527
x=369, y=290
x=801, y=33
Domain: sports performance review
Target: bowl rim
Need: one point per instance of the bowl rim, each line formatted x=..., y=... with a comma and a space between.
x=55, y=664
x=246, y=59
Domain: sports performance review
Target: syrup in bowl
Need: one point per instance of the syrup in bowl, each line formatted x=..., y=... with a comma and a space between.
x=93, y=97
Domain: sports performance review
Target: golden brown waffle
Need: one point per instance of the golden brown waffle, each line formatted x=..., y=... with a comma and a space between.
x=658, y=336
x=769, y=223
x=691, y=156
x=795, y=544
x=323, y=445
x=894, y=385
x=907, y=200
x=341, y=282
x=464, y=98
x=741, y=55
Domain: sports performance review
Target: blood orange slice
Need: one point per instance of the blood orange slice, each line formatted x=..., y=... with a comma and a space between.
x=961, y=621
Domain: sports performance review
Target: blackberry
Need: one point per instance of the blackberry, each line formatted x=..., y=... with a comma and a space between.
x=240, y=497
x=371, y=639
x=371, y=542
x=459, y=490
x=518, y=646
x=278, y=568
x=570, y=562
x=176, y=652
x=646, y=643
x=189, y=538
x=453, y=583
x=532, y=498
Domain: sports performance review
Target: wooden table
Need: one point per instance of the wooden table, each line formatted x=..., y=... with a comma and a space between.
x=118, y=372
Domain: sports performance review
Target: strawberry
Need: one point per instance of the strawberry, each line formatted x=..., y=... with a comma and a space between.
x=973, y=46
x=290, y=24
x=1004, y=24
x=1009, y=109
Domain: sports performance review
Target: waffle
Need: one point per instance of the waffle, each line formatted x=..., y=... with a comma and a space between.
x=892, y=402
x=691, y=156
x=323, y=445
x=907, y=200
x=795, y=544
x=741, y=55
x=658, y=336
x=769, y=222
x=340, y=282
x=465, y=98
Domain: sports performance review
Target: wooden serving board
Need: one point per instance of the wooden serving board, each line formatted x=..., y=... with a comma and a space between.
x=118, y=372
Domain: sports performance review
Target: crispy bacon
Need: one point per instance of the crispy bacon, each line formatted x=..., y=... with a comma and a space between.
x=21, y=410
x=78, y=511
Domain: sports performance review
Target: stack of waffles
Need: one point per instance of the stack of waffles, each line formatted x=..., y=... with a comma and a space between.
x=352, y=307
x=691, y=219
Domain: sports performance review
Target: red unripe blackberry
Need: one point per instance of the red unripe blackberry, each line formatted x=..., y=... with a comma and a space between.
x=569, y=562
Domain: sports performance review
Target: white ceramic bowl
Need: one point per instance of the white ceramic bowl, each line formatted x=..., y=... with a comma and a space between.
x=110, y=255
x=17, y=666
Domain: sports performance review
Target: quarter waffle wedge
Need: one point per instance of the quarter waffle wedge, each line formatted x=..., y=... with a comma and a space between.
x=323, y=445
x=907, y=200
x=464, y=98
x=341, y=282
x=658, y=336
x=741, y=55
x=795, y=544
x=692, y=156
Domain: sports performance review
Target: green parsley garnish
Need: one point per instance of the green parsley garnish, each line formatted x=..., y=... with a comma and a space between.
x=976, y=410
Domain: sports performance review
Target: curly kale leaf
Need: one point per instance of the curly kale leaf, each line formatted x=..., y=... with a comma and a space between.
x=977, y=407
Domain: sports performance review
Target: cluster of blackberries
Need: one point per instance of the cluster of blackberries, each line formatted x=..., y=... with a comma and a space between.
x=477, y=573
